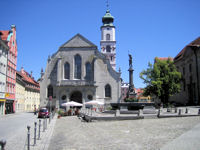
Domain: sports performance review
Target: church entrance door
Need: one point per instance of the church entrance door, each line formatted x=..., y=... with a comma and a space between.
x=76, y=96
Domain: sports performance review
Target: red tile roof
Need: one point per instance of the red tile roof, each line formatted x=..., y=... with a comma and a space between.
x=139, y=91
x=196, y=42
x=164, y=58
x=27, y=78
x=4, y=35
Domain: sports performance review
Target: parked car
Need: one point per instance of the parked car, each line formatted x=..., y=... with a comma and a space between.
x=43, y=112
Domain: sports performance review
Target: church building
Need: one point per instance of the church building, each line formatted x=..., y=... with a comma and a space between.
x=79, y=72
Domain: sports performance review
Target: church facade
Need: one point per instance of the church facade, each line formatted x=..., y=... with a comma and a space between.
x=79, y=72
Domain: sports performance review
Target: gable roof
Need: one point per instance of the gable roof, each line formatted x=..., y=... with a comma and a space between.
x=196, y=42
x=78, y=41
x=27, y=78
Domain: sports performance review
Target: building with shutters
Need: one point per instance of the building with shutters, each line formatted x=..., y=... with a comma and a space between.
x=27, y=92
x=9, y=36
x=3, y=67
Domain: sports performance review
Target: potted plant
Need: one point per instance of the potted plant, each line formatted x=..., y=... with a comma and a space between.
x=59, y=114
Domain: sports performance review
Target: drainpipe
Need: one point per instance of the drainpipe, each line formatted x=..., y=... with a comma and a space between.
x=195, y=48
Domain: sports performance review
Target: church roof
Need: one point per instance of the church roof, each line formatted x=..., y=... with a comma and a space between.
x=78, y=41
x=196, y=42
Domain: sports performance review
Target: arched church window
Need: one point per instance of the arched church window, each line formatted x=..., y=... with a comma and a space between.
x=67, y=70
x=50, y=91
x=88, y=71
x=107, y=37
x=107, y=91
x=77, y=70
x=108, y=48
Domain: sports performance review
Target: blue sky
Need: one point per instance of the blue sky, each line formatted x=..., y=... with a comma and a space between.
x=145, y=28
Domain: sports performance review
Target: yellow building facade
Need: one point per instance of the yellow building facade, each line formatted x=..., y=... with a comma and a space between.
x=32, y=99
x=20, y=95
x=27, y=92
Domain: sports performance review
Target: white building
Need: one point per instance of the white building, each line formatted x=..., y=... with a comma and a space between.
x=3, y=67
x=108, y=42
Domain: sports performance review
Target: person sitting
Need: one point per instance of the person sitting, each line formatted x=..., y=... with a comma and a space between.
x=69, y=112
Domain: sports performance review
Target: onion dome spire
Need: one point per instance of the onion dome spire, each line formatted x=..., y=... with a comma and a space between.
x=107, y=19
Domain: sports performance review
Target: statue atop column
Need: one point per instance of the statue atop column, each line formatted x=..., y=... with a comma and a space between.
x=131, y=92
x=130, y=60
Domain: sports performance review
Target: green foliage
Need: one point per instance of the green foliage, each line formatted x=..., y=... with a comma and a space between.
x=61, y=112
x=109, y=108
x=162, y=80
x=131, y=100
x=168, y=105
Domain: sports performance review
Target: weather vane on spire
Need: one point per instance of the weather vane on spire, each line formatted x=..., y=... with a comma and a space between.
x=107, y=4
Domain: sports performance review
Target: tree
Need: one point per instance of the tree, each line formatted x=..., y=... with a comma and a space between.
x=162, y=79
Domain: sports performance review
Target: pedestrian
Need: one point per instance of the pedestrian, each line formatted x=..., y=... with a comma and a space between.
x=35, y=112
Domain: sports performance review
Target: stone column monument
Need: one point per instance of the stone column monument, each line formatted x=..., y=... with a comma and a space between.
x=131, y=91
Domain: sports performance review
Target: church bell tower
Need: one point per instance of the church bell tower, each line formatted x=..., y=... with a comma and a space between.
x=108, y=43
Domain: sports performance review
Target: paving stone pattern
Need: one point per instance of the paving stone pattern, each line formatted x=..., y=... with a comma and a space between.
x=16, y=130
x=146, y=134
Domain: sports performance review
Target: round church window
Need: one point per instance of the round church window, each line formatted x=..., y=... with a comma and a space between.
x=63, y=97
x=90, y=97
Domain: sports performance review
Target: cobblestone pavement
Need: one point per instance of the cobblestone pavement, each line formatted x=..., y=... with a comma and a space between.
x=13, y=128
x=45, y=137
x=146, y=134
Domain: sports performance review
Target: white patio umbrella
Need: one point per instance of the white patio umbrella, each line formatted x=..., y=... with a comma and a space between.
x=94, y=102
x=72, y=103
